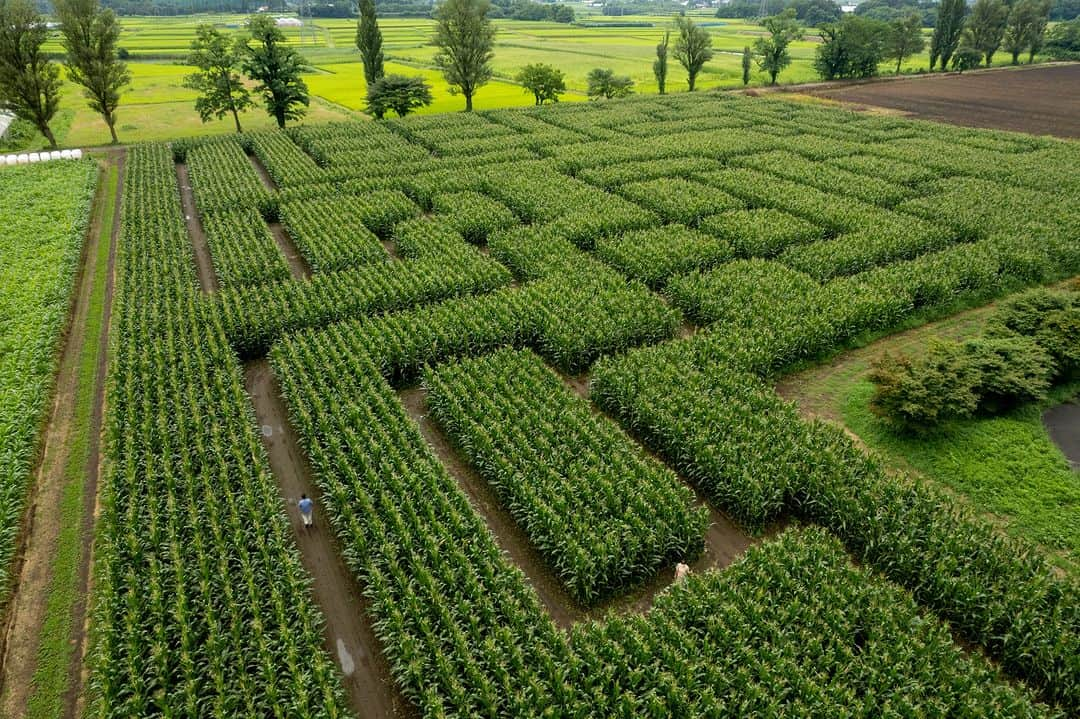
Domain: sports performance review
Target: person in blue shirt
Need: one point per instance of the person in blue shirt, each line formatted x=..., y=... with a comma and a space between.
x=307, y=507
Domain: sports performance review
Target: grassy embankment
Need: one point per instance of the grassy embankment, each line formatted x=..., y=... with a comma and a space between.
x=1005, y=466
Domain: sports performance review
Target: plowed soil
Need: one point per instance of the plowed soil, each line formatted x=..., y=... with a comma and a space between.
x=1036, y=100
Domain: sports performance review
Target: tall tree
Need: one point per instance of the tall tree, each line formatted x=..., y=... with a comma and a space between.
x=693, y=48
x=852, y=47
x=543, y=81
x=1038, y=33
x=219, y=84
x=465, y=37
x=747, y=58
x=90, y=36
x=772, y=49
x=369, y=41
x=276, y=68
x=986, y=26
x=1025, y=27
x=29, y=81
x=659, y=66
x=947, y=31
x=904, y=39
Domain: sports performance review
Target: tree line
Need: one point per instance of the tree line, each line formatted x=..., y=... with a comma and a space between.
x=30, y=81
x=963, y=37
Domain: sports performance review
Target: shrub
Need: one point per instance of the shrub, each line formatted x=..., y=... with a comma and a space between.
x=956, y=379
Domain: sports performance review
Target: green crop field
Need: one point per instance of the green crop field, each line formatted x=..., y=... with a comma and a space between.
x=45, y=209
x=524, y=359
x=156, y=106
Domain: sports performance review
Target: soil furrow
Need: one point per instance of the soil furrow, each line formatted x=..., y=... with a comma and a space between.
x=203, y=264
x=263, y=173
x=298, y=266
x=349, y=636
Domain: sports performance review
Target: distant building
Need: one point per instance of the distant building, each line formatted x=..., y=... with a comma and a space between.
x=288, y=22
x=848, y=8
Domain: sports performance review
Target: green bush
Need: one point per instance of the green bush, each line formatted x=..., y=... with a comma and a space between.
x=957, y=379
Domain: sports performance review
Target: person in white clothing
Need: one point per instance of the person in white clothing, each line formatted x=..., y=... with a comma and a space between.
x=682, y=571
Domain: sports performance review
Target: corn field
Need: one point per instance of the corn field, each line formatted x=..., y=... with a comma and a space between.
x=683, y=251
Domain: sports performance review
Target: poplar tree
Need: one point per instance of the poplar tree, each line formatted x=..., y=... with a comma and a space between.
x=90, y=36
x=947, y=31
x=659, y=66
x=29, y=81
x=369, y=42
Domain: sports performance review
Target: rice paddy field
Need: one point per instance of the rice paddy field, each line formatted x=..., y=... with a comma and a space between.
x=156, y=106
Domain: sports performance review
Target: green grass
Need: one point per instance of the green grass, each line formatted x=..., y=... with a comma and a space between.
x=156, y=106
x=1006, y=465
x=51, y=672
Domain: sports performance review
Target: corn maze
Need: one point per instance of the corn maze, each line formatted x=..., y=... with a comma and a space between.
x=677, y=254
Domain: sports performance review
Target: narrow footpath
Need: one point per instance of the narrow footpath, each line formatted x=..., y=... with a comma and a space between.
x=348, y=633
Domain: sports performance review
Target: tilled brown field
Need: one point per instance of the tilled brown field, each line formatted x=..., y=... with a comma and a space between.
x=1039, y=100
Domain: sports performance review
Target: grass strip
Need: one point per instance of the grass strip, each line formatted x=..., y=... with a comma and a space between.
x=50, y=680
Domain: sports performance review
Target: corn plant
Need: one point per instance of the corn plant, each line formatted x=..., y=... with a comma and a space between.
x=242, y=250
x=602, y=514
x=46, y=211
x=330, y=235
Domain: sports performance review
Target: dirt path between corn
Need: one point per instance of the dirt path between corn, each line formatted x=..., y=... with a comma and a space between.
x=27, y=612
x=348, y=634
x=203, y=264
x=298, y=266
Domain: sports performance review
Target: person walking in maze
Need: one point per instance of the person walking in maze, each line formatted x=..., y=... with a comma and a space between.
x=307, y=507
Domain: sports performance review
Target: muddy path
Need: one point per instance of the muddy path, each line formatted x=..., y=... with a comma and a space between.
x=348, y=634
x=263, y=173
x=298, y=266
x=22, y=631
x=204, y=266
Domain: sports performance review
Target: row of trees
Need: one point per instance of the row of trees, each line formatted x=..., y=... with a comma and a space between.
x=30, y=81
x=966, y=38
x=856, y=45
x=227, y=64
